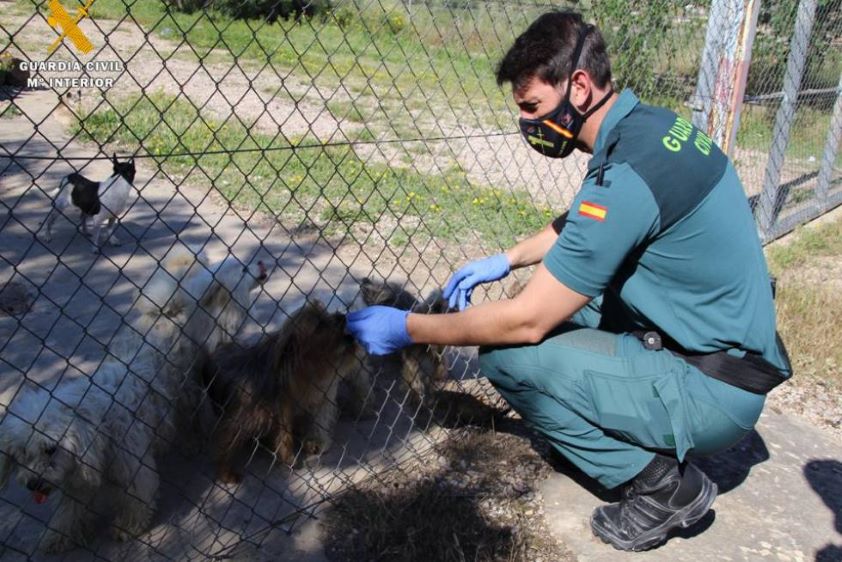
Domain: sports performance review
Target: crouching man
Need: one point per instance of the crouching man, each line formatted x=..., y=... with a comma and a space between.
x=647, y=333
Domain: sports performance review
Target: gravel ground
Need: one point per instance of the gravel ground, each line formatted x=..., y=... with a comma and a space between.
x=811, y=398
x=474, y=497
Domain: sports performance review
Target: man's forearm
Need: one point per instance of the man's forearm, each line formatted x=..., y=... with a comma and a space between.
x=492, y=323
x=542, y=305
x=532, y=250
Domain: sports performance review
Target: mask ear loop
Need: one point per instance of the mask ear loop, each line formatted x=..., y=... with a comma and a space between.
x=580, y=45
x=577, y=53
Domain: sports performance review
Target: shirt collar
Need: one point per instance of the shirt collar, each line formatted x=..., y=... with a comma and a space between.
x=624, y=105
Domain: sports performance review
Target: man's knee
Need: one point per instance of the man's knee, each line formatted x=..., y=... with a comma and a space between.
x=504, y=366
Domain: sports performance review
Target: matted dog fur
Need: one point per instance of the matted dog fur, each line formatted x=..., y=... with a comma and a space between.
x=423, y=370
x=96, y=439
x=283, y=390
x=422, y=366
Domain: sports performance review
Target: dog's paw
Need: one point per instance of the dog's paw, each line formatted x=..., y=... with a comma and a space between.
x=115, y=241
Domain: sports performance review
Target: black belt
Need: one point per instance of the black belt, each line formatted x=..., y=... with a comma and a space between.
x=750, y=372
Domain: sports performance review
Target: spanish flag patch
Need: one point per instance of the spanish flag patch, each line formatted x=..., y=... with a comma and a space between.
x=593, y=211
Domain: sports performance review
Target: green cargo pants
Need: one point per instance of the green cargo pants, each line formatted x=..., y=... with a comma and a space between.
x=608, y=404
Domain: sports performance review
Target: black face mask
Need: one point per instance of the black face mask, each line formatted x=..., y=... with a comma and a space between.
x=555, y=133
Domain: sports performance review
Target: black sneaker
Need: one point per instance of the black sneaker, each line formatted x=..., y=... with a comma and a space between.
x=662, y=497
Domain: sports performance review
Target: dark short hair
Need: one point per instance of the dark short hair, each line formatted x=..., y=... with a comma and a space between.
x=545, y=50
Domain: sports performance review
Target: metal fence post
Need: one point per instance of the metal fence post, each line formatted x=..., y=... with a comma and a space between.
x=796, y=61
x=831, y=148
x=724, y=70
x=703, y=97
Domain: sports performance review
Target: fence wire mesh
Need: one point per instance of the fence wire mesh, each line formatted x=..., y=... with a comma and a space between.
x=296, y=149
x=791, y=118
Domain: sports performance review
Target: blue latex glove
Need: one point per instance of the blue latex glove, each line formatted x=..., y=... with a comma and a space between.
x=380, y=329
x=458, y=290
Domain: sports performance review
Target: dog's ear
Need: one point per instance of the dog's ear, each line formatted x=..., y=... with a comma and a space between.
x=114, y=158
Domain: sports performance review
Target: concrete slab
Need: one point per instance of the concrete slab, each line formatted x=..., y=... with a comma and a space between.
x=780, y=499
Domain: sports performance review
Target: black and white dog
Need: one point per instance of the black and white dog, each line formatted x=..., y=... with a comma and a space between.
x=101, y=202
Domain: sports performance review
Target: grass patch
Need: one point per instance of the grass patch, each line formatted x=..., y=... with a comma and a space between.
x=806, y=245
x=345, y=111
x=330, y=187
x=808, y=308
x=368, y=50
x=9, y=111
x=808, y=319
x=440, y=53
x=808, y=133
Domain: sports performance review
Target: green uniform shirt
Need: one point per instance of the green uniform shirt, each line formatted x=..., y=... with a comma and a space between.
x=662, y=222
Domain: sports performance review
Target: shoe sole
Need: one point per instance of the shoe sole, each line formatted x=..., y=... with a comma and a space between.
x=658, y=535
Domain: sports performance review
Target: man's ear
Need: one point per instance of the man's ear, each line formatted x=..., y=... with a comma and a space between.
x=581, y=91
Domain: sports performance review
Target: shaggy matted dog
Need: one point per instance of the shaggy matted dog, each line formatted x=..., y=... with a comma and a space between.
x=101, y=202
x=283, y=390
x=422, y=366
x=96, y=438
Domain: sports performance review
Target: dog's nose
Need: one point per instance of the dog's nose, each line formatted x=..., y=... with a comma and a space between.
x=34, y=484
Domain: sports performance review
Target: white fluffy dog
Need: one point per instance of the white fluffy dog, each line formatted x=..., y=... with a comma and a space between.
x=100, y=202
x=96, y=439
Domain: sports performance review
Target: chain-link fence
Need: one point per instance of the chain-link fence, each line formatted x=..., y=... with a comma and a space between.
x=792, y=117
x=185, y=400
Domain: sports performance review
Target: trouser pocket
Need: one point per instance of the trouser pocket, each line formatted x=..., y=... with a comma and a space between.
x=648, y=411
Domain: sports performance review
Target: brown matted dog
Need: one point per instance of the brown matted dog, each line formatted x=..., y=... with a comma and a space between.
x=283, y=390
x=423, y=370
